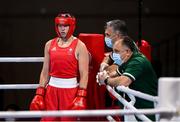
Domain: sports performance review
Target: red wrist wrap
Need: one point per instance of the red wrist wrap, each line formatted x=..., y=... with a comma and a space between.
x=82, y=92
x=40, y=91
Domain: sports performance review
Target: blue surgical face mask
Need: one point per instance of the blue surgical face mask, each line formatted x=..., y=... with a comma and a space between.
x=117, y=58
x=108, y=42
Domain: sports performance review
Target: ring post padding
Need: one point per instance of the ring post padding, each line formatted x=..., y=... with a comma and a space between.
x=169, y=97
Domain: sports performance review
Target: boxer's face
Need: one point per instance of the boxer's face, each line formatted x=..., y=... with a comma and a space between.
x=63, y=30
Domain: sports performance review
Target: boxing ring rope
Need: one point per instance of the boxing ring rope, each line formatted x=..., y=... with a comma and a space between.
x=141, y=95
x=35, y=114
x=21, y=59
x=126, y=104
x=137, y=93
x=110, y=118
x=18, y=86
x=83, y=113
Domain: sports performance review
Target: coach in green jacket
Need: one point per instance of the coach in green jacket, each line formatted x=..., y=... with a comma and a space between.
x=134, y=71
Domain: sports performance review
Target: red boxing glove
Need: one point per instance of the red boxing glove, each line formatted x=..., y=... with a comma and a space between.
x=38, y=101
x=79, y=102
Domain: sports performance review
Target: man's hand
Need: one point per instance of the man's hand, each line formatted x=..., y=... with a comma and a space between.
x=101, y=77
x=111, y=70
x=103, y=66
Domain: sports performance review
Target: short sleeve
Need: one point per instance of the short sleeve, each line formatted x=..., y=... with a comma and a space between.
x=133, y=69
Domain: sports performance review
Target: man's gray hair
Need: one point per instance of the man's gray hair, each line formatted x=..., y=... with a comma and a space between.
x=118, y=26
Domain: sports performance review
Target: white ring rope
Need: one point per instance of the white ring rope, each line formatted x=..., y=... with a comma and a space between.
x=121, y=88
x=18, y=86
x=21, y=59
x=110, y=118
x=127, y=104
x=35, y=114
x=137, y=93
x=133, y=99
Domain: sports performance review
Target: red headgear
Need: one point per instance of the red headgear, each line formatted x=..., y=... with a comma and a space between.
x=65, y=19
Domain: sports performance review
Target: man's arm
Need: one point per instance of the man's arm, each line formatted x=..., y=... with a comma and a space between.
x=112, y=70
x=104, y=78
x=106, y=61
x=119, y=80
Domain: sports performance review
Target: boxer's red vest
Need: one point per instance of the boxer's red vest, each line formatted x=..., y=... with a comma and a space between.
x=63, y=63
